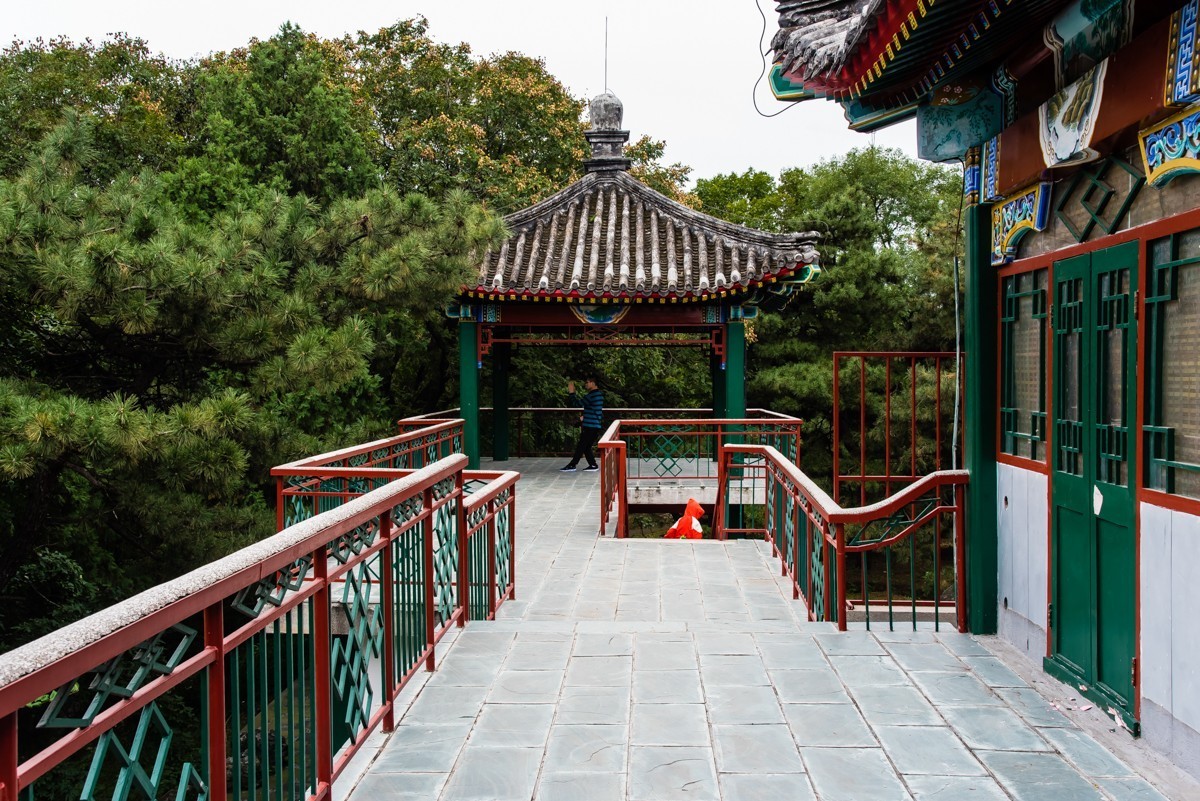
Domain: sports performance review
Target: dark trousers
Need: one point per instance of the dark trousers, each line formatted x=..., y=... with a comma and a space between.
x=583, y=448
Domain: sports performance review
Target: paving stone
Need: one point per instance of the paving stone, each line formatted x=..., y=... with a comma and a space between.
x=992, y=728
x=790, y=652
x=502, y=725
x=472, y=671
x=895, y=706
x=849, y=643
x=808, y=686
x=441, y=705
x=930, y=750
x=665, y=656
x=737, y=671
x=613, y=644
x=962, y=644
x=482, y=643
x=1038, y=777
x=599, y=671
x=1131, y=790
x=401, y=786
x=494, y=774
x=725, y=643
x=669, y=724
x=743, y=705
x=756, y=749
x=1031, y=706
x=419, y=748
x=955, y=788
x=526, y=655
x=581, y=787
x=859, y=671
x=853, y=774
x=766, y=787
x=1086, y=754
x=585, y=748
x=955, y=689
x=667, y=687
x=672, y=774
x=932, y=656
x=526, y=687
x=992, y=672
x=828, y=725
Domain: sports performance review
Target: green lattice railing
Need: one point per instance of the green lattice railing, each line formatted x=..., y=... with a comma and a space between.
x=259, y=675
x=909, y=547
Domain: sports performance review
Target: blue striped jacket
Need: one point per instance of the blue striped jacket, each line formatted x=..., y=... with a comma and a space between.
x=593, y=408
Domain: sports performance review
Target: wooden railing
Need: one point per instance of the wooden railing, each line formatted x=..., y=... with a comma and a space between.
x=640, y=454
x=920, y=529
x=260, y=675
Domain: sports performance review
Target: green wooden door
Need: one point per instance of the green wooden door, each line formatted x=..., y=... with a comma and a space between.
x=1093, y=553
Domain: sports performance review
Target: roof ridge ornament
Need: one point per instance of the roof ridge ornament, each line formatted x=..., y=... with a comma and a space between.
x=605, y=135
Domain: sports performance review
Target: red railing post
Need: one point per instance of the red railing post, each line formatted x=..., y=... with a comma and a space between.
x=430, y=598
x=218, y=747
x=10, y=761
x=464, y=552
x=386, y=570
x=960, y=559
x=322, y=674
x=493, y=590
x=622, y=491
x=512, y=541
x=841, y=576
x=279, y=503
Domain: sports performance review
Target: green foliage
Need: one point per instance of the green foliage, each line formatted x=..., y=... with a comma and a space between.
x=889, y=237
x=167, y=363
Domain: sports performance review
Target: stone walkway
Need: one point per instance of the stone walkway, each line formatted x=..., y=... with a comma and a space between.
x=650, y=670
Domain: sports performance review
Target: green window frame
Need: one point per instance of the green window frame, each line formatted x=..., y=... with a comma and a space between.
x=1171, y=428
x=1023, y=322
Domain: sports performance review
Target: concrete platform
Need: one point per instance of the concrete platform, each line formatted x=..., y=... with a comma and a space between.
x=654, y=670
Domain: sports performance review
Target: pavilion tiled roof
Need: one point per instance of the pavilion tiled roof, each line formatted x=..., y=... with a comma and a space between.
x=608, y=236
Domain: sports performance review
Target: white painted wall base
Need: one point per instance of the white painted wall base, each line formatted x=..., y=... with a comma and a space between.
x=1175, y=739
x=1024, y=635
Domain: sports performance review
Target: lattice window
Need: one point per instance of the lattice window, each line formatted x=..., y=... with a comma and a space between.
x=1023, y=394
x=1172, y=429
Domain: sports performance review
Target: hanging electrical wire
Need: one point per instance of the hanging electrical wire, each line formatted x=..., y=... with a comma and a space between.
x=763, y=55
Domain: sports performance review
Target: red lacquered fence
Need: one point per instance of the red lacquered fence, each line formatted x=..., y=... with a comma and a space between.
x=644, y=454
x=893, y=420
x=901, y=559
x=260, y=675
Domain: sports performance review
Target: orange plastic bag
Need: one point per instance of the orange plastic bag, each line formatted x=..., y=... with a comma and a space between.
x=688, y=526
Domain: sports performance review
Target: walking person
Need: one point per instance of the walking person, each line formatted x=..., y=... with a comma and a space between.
x=592, y=404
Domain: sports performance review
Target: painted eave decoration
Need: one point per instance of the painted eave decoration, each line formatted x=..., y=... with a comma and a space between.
x=609, y=239
x=1028, y=210
x=893, y=53
x=1172, y=147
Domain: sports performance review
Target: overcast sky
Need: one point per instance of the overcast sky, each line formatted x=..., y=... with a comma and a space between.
x=684, y=69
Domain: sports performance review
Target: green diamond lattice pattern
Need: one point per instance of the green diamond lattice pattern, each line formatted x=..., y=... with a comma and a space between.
x=666, y=450
x=445, y=559
x=251, y=600
x=504, y=542
x=152, y=743
x=352, y=654
x=816, y=573
x=120, y=677
x=352, y=543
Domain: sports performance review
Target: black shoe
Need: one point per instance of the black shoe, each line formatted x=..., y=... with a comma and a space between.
x=568, y=469
x=591, y=468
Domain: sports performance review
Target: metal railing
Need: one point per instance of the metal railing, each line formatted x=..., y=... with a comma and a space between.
x=909, y=547
x=260, y=675
x=638, y=454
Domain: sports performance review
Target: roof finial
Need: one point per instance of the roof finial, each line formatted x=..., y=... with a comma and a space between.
x=605, y=135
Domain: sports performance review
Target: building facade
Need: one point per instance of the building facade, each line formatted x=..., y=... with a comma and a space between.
x=1077, y=125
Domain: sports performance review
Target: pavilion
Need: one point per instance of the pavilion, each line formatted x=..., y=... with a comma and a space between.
x=608, y=261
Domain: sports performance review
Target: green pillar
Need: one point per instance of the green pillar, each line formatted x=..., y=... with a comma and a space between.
x=735, y=368
x=468, y=389
x=501, y=358
x=717, y=375
x=980, y=445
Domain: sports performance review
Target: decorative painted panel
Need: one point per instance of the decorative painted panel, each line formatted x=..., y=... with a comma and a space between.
x=990, y=164
x=1027, y=211
x=1172, y=147
x=1183, y=77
